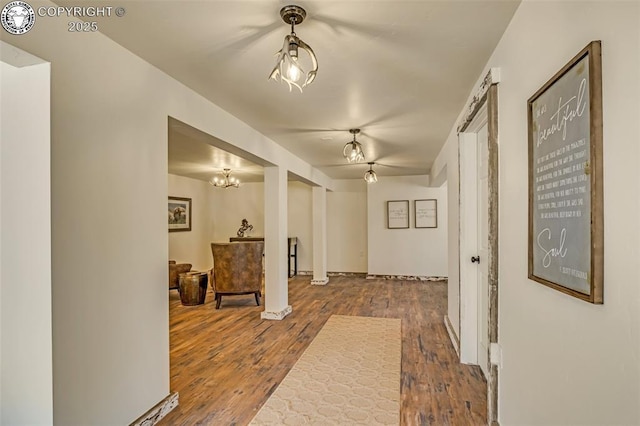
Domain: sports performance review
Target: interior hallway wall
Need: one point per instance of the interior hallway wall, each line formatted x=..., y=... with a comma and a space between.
x=300, y=222
x=578, y=362
x=346, y=220
x=109, y=143
x=231, y=205
x=26, y=371
x=193, y=246
x=445, y=167
x=217, y=215
x=347, y=226
x=411, y=251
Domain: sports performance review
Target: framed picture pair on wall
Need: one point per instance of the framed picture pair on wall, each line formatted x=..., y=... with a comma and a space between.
x=425, y=214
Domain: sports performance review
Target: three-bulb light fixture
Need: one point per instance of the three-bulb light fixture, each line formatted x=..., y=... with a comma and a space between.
x=288, y=68
x=225, y=181
x=370, y=176
x=352, y=151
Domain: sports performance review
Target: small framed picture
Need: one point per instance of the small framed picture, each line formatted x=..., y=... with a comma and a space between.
x=179, y=214
x=398, y=214
x=426, y=213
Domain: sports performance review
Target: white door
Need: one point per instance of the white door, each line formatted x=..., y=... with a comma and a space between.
x=483, y=250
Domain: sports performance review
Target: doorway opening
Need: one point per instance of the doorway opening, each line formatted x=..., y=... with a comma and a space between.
x=478, y=256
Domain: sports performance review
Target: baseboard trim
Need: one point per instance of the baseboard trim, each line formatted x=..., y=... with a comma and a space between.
x=452, y=335
x=277, y=316
x=405, y=277
x=161, y=409
x=337, y=274
x=322, y=281
x=379, y=277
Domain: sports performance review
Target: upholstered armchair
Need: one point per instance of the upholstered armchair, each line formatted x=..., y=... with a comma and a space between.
x=237, y=269
x=175, y=269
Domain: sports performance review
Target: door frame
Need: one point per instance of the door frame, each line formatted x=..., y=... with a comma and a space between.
x=486, y=98
x=468, y=214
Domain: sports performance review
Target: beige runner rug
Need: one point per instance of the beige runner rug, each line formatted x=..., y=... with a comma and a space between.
x=349, y=375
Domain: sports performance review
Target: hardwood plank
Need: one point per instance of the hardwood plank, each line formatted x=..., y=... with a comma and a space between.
x=225, y=363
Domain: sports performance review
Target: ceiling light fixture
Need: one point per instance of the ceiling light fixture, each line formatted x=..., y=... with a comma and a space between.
x=352, y=151
x=370, y=176
x=288, y=69
x=225, y=181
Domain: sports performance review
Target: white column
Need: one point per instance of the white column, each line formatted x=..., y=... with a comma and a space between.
x=276, y=298
x=319, y=236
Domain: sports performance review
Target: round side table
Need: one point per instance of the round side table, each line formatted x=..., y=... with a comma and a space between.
x=193, y=288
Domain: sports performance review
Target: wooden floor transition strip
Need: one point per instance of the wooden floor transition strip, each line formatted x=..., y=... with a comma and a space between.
x=349, y=374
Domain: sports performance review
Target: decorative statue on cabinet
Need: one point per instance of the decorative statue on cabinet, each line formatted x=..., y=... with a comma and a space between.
x=245, y=228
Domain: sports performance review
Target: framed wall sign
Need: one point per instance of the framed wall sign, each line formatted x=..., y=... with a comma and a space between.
x=426, y=213
x=179, y=214
x=398, y=214
x=565, y=179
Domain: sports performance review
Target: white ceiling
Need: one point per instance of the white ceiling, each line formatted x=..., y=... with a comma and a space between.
x=399, y=70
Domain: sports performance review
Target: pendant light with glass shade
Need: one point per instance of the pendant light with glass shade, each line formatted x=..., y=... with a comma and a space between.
x=352, y=151
x=370, y=176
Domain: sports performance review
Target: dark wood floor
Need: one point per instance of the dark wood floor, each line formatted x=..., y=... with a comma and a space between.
x=225, y=363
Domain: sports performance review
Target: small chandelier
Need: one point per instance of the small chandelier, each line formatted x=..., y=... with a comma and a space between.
x=370, y=176
x=288, y=68
x=353, y=150
x=225, y=181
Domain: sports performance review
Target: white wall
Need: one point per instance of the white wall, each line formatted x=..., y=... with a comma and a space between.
x=566, y=361
x=447, y=164
x=218, y=214
x=347, y=226
x=109, y=238
x=346, y=221
x=26, y=373
x=412, y=251
x=231, y=205
x=300, y=223
x=193, y=246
